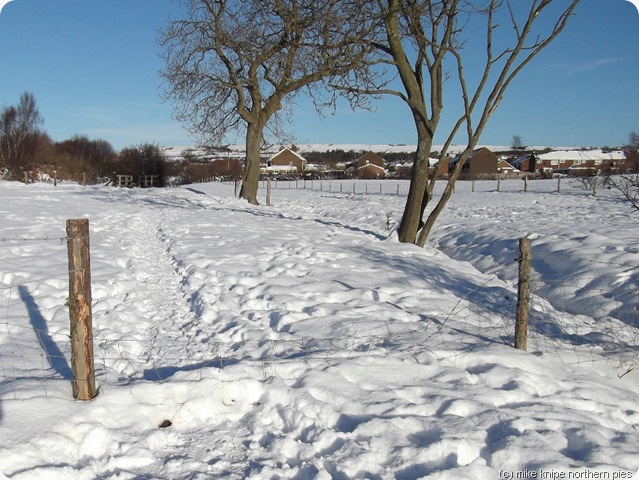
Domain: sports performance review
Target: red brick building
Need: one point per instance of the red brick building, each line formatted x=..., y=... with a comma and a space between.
x=370, y=165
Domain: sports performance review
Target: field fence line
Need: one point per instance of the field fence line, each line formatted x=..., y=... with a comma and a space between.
x=6, y=241
x=400, y=186
x=33, y=352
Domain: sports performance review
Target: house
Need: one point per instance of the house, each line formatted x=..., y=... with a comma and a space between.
x=581, y=162
x=481, y=161
x=504, y=167
x=442, y=169
x=370, y=165
x=524, y=163
x=286, y=160
x=401, y=168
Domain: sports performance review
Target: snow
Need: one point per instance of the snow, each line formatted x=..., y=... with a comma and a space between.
x=303, y=341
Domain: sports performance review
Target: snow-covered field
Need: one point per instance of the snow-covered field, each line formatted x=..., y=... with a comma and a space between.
x=303, y=341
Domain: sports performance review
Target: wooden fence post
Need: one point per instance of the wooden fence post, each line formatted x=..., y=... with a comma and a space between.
x=523, y=295
x=594, y=186
x=559, y=184
x=80, y=309
x=526, y=183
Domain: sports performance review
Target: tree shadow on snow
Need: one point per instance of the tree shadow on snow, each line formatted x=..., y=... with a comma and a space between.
x=55, y=357
x=485, y=311
x=159, y=374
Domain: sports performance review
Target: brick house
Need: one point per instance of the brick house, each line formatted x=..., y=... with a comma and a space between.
x=504, y=167
x=287, y=160
x=370, y=165
x=582, y=162
x=442, y=169
x=525, y=163
x=481, y=161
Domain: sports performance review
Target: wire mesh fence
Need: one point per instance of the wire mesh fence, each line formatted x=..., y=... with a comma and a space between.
x=35, y=346
x=33, y=335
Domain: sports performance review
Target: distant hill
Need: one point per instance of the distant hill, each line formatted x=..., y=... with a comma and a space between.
x=238, y=151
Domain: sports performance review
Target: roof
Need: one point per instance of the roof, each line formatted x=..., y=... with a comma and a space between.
x=371, y=156
x=517, y=161
x=291, y=151
x=373, y=165
x=504, y=165
x=472, y=154
x=594, y=154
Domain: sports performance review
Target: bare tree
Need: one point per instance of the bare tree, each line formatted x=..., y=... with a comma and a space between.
x=232, y=65
x=628, y=187
x=87, y=156
x=424, y=42
x=517, y=142
x=17, y=125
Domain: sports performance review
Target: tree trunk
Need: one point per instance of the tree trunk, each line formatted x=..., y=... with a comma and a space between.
x=418, y=196
x=251, y=177
x=448, y=192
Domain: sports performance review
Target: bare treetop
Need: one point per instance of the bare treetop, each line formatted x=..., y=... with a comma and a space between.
x=232, y=65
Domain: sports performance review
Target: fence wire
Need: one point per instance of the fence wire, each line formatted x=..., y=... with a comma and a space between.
x=35, y=349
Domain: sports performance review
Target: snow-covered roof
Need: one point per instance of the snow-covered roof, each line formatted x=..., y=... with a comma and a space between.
x=594, y=154
x=281, y=168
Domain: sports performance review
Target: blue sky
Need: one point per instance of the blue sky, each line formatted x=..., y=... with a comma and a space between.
x=93, y=68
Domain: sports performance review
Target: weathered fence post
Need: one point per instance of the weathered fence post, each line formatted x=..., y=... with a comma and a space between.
x=80, y=309
x=559, y=184
x=526, y=183
x=499, y=183
x=594, y=186
x=523, y=295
